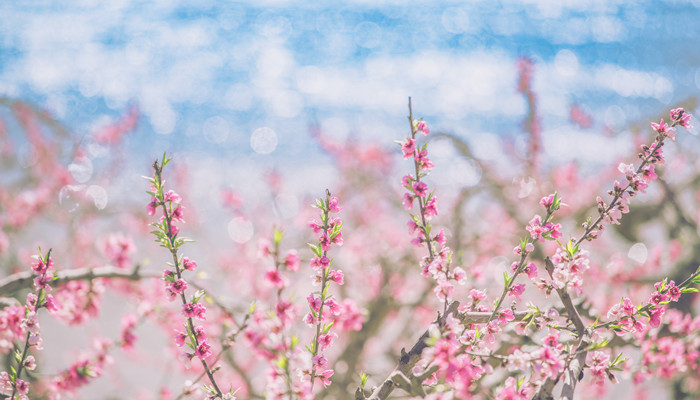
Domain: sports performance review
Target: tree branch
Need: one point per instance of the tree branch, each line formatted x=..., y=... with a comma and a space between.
x=25, y=279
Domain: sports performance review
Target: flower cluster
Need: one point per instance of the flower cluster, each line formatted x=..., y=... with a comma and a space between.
x=437, y=263
x=167, y=234
x=637, y=179
x=322, y=306
x=625, y=313
x=270, y=336
x=10, y=383
x=89, y=366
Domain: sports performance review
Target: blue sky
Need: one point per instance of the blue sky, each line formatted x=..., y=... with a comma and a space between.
x=208, y=76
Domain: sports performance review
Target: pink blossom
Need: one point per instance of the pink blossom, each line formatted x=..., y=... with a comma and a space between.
x=326, y=340
x=320, y=262
x=192, y=310
x=325, y=377
x=336, y=276
x=431, y=207
x=152, y=206
x=40, y=268
x=180, y=338
x=274, y=278
x=460, y=275
x=29, y=363
x=408, y=201
x=178, y=286
x=203, y=350
x=314, y=302
x=421, y=127
x=517, y=290
x=333, y=306
x=424, y=163
x=407, y=181
x=172, y=197
x=177, y=215
x=547, y=201
x=444, y=290
x=420, y=189
x=333, y=205
x=188, y=264
x=682, y=117
x=291, y=261
x=408, y=148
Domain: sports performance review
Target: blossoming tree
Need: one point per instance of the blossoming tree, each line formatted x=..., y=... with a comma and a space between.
x=535, y=283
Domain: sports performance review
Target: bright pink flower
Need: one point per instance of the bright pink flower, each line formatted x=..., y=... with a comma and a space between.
x=320, y=262
x=326, y=340
x=177, y=215
x=517, y=290
x=310, y=320
x=547, y=201
x=421, y=127
x=291, y=261
x=655, y=316
x=188, y=264
x=152, y=206
x=431, y=207
x=420, y=189
x=673, y=291
x=325, y=377
x=179, y=286
x=319, y=361
x=408, y=148
x=180, y=338
x=314, y=302
x=333, y=306
x=274, y=278
x=127, y=335
x=407, y=181
x=408, y=201
x=444, y=290
x=333, y=205
x=172, y=197
x=40, y=268
x=203, y=350
x=336, y=276
x=191, y=310
x=424, y=163
x=459, y=274
x=683, y=118
x=30, y=363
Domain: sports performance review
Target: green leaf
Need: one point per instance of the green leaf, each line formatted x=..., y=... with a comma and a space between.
x=316, y=249
x=689, y=290
x=328, y=327
x=506, y=279
x=363, y=379
x=282, y=362
x=276, y=236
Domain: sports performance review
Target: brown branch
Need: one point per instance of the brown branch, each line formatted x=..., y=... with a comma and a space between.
x=575, y=369
x=23, y=280
x=402, y=373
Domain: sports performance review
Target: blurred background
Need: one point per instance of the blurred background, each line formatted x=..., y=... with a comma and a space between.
x=263, y=104
x=247, y=80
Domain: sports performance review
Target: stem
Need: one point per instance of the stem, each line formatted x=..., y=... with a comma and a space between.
x=324, y=282
x=523, y=258
x=167, y=211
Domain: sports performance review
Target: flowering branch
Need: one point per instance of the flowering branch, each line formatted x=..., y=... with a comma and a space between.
x=11, y=384
x=167, y=235
x=23, y=280
x=328, y=232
